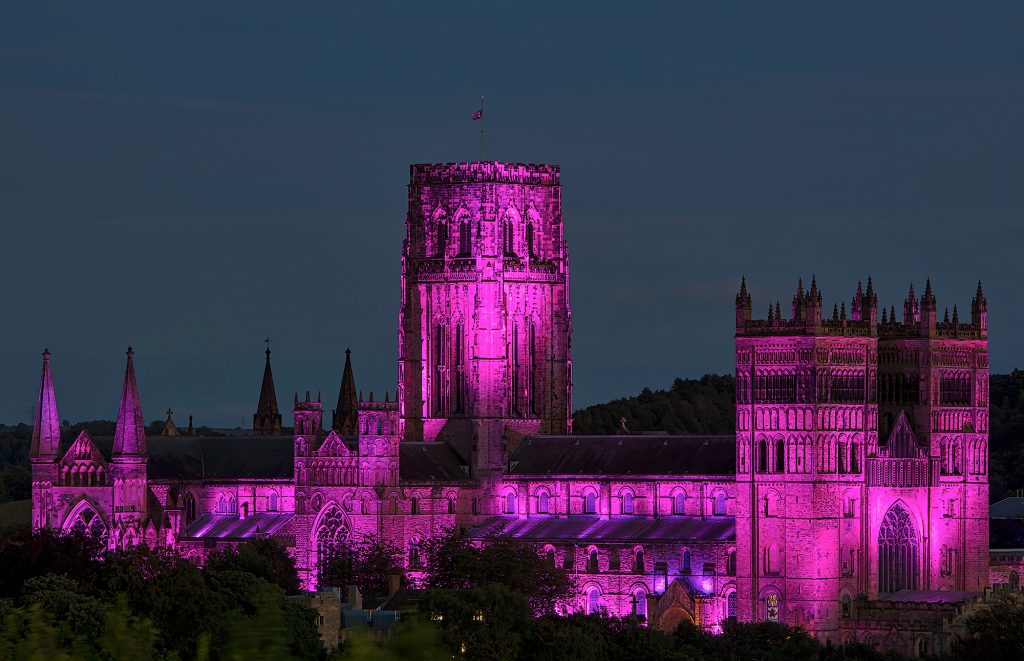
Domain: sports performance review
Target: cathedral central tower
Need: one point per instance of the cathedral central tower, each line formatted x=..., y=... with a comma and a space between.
x=484, y=327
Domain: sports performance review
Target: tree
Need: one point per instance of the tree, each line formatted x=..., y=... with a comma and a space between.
x=455, y=563
x=264, y=558
x=45, y=552
x=997, y=629
x=482, y=623
x=368, y=563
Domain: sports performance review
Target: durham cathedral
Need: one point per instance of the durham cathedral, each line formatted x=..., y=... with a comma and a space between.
x=854, y=490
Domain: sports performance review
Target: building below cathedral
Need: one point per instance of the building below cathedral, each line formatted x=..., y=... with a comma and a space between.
x=855, y=486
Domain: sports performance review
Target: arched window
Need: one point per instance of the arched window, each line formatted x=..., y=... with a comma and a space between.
x=844, y=606
x=542, y=502
x=627, y=503
x=330, y=534
x=898, y=552
x=762, y=456
x=232, y=505
x=771, y=606
x=414, y=552
x=730, y=606
x=222, y=505
x=529, y=240
x=638, y=562
x=730, y=564
x=510, y=244
x=687, y=562
x=772, y=563
x=640, y=603
x=679, y=503
x=719, y=507
x=590, y=503
x=780, y=456
x=551, y=556
x=88, y=524
x=273, y=504
x=592, y=565
x=414, y=506
x=190, y=508
x=593, y=601
x=451, y=506
x=465, y=239
x=442, y=239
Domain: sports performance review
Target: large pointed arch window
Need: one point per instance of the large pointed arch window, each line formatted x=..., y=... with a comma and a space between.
x=330, y=535
x=88, y=523
x=465, y=238
x=899, y=552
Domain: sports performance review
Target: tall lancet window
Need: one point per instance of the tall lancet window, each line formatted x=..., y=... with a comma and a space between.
x=535, y=403
x=441, y=371
x=460, y=370
x=465, y=239
x=441, y=242
x=898, y=552
x=510, y=241
x=530, y=248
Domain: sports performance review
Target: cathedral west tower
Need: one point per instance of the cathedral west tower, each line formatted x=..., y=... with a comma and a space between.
x=484, y=327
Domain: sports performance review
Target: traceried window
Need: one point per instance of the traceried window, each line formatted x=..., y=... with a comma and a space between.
x=593, y=601
x=190, y=508
x=730, y=606
x=898, y=552
x=90, y=524
x=330, y=535
x=640, y=603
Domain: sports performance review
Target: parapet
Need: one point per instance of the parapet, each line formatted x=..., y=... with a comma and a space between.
x=534, y=174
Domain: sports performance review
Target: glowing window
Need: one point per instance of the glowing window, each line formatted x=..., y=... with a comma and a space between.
x=627, y=503
x=590, y=503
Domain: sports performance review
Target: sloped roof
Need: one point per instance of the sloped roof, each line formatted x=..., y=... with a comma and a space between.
x=231, y=526
x=931, y=596
x=216, y=457
x=625, y=455
x=429, y=462
x=592, y=528
x=1007, y=508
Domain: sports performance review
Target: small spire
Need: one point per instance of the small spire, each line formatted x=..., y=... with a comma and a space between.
x=911, y=296
x=885, y=316
x=46, y=425
x=800, y=287
x=778, y=311
x=870, y=293
x=771, y=313
x=814, y=287
x=892, y=313
x=387, y=396
x=170, y=429
x=945, y=318
x=956, y=315
x=743, y=296
x=361, y=396
x=130, y=433
x=371, y=395
x=860, y=292
x=346, y=414
x=842, y=312
x=267, y=419
x=835, y=312
x=307, y=395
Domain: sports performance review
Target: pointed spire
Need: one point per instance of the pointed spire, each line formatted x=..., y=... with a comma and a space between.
x=130, y=434
x=46, y=425
x=870, y=292
x=945, y=317
x=835, y=312
x=842, y=312
x=956, y=315
x=885, y=316
x=892, y=314
x=267, y=419
x=346, y=414
x=800, y=287
x=771, y=313
x=979, y=296
x=778, y=311
x=743, y=296
x=371, y=395
x=387, y=396
x=814, y=287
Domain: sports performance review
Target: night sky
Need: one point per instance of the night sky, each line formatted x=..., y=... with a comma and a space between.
x=192, y=180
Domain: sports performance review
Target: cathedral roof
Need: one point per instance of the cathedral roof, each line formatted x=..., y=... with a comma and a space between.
x=216, y=457
x=593, y=528
x=429, y=462
x=625, y=455
x=231, y=526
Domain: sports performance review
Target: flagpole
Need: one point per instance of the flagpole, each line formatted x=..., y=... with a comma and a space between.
x=481, y=127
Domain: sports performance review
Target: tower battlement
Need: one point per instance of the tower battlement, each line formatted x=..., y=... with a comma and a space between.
x=484, y=172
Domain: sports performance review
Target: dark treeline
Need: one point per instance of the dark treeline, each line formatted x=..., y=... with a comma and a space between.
x=705, y=406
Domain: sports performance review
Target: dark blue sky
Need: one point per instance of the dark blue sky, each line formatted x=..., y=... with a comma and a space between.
x=190, y=180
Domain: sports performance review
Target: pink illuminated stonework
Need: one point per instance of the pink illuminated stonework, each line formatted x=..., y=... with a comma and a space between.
x=858, y=470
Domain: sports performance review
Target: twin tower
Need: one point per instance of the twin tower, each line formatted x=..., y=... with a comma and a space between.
x=484, y=327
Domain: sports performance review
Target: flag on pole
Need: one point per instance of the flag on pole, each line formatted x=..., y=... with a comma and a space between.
x=479, y=114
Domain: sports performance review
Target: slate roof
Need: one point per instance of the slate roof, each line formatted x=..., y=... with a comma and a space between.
x=1007, y=508
x=625, y=455
x=231, y=526
x=592, y=528
x=429, y=462
x=931, y=596
x=215, y=457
